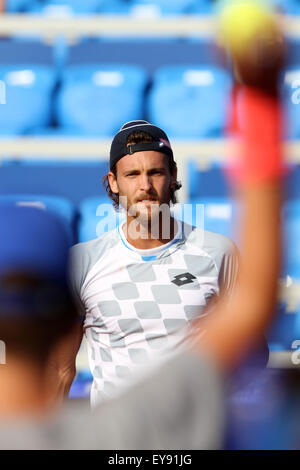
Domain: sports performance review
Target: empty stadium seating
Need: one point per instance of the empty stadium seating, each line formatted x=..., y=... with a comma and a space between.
x=149, y=52
x=99, y=99
x=203, y=7
x=291, y=236
x=16, y=6
x=25, y=96
x=289, y=7
x=206, y=182
x=96, y=217
x=129, y=7
x=75, y=180
x=160, y=7
x=291, y=100
x=212, y=214
x=81, y=386
x=190, y=102
x=63, y=7
x=18, y=52
x=284, y=330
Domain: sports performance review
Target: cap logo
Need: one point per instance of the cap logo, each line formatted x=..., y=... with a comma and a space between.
x=164, y=142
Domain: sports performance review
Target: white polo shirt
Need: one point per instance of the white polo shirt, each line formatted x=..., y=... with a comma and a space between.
x=138, y=305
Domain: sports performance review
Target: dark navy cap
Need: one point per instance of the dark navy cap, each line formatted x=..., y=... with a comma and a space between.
x=119, y=147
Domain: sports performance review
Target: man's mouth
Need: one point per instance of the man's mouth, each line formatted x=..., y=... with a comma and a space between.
x=146, y=201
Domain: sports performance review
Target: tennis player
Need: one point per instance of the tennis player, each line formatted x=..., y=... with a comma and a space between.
x=141, y=286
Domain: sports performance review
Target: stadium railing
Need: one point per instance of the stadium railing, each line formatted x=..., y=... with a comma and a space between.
x=120, y=25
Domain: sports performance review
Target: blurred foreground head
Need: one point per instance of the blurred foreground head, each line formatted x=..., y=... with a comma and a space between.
x=35, y=304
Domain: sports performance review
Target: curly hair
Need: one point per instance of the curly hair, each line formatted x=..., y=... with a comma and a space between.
x=138, y=137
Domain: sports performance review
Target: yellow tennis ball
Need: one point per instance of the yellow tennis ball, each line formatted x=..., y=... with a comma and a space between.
x=240, y=21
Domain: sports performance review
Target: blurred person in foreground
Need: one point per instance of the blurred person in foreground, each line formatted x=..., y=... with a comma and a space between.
x=36, y=314
x=181, y=405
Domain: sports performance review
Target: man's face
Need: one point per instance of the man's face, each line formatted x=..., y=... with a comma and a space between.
x=144, y=178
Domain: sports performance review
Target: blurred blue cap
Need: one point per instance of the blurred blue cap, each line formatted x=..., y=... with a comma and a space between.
x=33, y=241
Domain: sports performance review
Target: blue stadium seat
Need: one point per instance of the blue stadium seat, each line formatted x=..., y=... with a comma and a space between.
x=60, y=206
x=26, y=92
x=212, y=214
x=289, y=7
x=98, y=99
x=284, y=330
x=291, y=100
x=14, y=51
x=115, y=7
x=150, y=53
x=128, y=7
x=208, y=182
x=58, y=132
x=73, y=180
x=17, y=6
x=291, y=237
x=97, y=216
x=291, y=182
x=148, y=8
x=293, y=53
x=203, y=7
x=161, y=7
x=190, y=101
x=64, y=7
x=81, y=386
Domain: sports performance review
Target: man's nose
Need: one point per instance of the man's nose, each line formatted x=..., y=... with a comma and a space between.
x=145, y=182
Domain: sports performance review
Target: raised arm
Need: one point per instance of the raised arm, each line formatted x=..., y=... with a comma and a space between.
x=239, y=320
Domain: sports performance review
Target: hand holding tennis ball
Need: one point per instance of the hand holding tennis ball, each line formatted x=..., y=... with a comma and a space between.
x=241, y=21
x=249, y=30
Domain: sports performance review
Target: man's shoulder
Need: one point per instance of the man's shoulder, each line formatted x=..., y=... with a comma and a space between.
x=96, y=247
x=84, y=255
x=214, y=244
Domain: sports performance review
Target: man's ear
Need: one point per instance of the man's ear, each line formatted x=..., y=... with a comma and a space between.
x=112, y=179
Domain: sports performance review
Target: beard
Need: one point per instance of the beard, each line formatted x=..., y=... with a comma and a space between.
x=150, y=220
